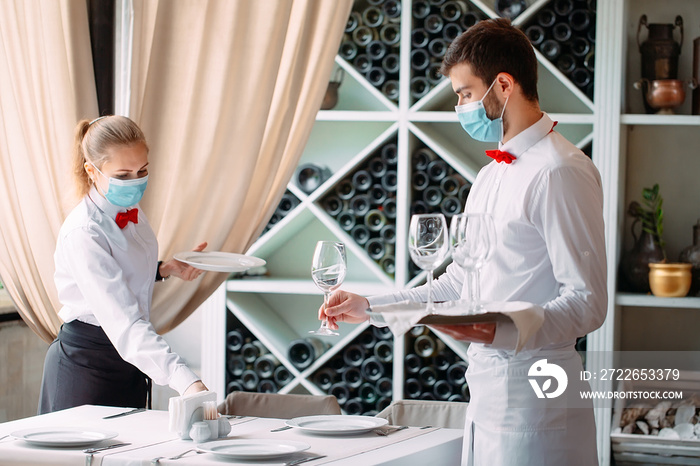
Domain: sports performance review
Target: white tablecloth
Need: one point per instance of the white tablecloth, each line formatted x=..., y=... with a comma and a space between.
x=149, y=438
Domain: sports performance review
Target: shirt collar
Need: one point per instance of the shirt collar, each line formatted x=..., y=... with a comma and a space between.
x=109, y=209
x=522, y=141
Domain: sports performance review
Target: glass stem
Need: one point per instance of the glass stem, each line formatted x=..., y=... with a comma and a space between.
x=326, y=298
x=429, y=306
x=473, y=289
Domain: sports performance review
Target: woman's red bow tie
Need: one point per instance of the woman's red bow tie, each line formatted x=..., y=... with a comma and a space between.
x=500, y=156
x=131, y=215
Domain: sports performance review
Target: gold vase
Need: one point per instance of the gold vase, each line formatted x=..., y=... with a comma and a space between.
x=670, y=280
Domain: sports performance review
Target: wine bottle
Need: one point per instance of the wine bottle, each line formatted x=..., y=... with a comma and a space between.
x=443, y=360
x=427, y=396
x=468, y=19
x=375, y=220
x=563, y=7
x=390, y=181
x=419, y=330
x=442, y=390
x=419, y=59
x=376, y=50
x=383, y=403
x=303, y=352
x=378, y=194
x=449, y=186
x=265, y=366
x=419, y=38
x=427, y=376
x=325, y=378
x=546, y=18
x=389, y=154
x=252, y=351
x=372, y=17
x=360, y=204
x=551, y=49
x=589, y=61
x=250, y=380
x=388, y=264
x=451, y=31
x=391, y=64
x=536, y=34
x=287, y=204
x=433, y=74
x=352, y=377
x=464, y=192
x=434, y=24
x=367, y=340
x=437, y=47
x=235, y=340
x=362, y=63
x=392, y=10
x=235, y=365
x=362, y=36
x=391, y=89
x=376, y=167
x=376, y=76
x=310, y=176
x=332, y=205
x=418, y=207
x=419, y=86
x=354, y=406
x=580, y=20
x=348, y=50
x=412, y=363
x=510, y=8
x=427, y=346
x=267, y=386
x=450, y=206
x=421, y=9
x=437, y=170
x=384, y=351
x=337, y=364
x=456, y=398
x=340, y=391
x=566, y=63
x=372, y=369
x=361, y=180
x=360, y=233
x=590, y=33
x=451, y=11
x=382, y=333
x=432, y=196
x=353, y=355
x=389, y=207
x=422, y=158
x=390, y=34
x=354, y=21
x=346, y=220
x=375, y=248
x=234, y=386
x=412, y=388
x=345, y=190
x=367, y=394
x=580, y=46
x=455, y=374
x=282, y=376
x=581, y=77
x=384, y=387
x=561, y=32
x=388, y=234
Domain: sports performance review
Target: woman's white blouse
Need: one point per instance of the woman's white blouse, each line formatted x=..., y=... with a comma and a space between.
x=105, y=277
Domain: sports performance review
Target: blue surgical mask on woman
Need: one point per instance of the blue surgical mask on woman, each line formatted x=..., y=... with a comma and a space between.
x=477, y=124
x=124, y=193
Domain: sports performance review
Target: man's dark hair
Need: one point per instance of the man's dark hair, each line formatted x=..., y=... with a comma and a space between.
x=494, y=46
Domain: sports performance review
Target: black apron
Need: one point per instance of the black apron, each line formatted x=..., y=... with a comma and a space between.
x=83, y=367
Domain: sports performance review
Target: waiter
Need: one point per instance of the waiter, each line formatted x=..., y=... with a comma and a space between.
x=546, y=200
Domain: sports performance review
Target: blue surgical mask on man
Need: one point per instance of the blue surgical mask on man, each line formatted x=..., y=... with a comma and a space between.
x=124, y=193
x=477, y=124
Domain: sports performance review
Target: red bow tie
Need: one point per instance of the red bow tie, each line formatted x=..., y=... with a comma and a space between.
x=131, y=215
x=500, y=156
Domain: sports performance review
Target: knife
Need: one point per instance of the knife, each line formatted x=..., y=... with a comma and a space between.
x=125, y=413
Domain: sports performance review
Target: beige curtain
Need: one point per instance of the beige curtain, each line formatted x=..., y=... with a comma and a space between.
x=226, y=92
x=46, y=85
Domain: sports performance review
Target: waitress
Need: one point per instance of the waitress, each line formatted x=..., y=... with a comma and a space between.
x=107, y=350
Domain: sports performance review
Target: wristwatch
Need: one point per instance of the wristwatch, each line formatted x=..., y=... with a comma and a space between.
x=159, y=277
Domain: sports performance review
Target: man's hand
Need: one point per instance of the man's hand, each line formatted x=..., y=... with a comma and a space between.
x=344, y=307
x=477, y=333
x=180, y=269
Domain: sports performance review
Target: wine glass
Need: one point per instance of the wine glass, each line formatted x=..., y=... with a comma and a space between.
x=472, y=236
x=328, y=271
x=428, y=245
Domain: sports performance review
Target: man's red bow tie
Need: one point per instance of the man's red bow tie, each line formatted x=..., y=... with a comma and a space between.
x=500, y=156
x=131, y=215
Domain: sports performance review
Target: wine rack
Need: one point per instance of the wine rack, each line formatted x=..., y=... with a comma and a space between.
x=288, y=202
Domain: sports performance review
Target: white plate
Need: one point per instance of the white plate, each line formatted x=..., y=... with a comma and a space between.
x=216, y=261
x=337, y=424
x=63, y=436
x=252, y=449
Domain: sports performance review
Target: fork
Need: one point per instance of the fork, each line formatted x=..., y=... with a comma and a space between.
x=389, y=430
x=303, y=460
x=90, y=452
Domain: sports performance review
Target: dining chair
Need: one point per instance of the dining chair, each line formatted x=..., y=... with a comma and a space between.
x=449, y=414
x=283, y=406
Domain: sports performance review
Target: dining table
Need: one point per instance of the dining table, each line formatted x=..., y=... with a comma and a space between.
x=143, y=438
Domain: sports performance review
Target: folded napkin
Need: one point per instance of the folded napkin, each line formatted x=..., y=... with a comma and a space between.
x=185, y=410
x=527, y=317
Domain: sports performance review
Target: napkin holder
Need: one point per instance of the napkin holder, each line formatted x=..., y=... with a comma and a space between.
x=186, y=410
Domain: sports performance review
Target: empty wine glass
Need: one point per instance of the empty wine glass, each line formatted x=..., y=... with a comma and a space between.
x=428, y=245
x=472, y=236
x=328, y=271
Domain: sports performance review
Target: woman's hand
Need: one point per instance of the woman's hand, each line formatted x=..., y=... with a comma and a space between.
x=344, y=307
x=180, y=269
x=477, y=333
x=196, y=387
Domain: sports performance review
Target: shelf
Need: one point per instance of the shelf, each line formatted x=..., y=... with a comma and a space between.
x=643, y=300
x=675, y=120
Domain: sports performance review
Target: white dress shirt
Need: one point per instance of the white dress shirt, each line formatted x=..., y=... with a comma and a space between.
x=105, y=277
